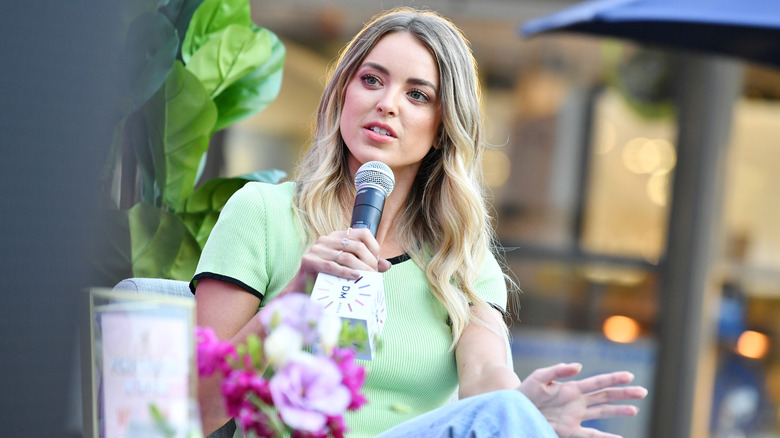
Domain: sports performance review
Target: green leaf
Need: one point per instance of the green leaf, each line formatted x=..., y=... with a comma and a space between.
x=239, y=361
x=274, y=419
x=276, y=319
x=161, y=245
x=114, y=149
x=129, y=11
x=211, y=17
x=228, y=56
x=254, y=91
x=141, y=131
x=180, y=13
x=203, y=207
x=212, y=195
x=160, y=422
x=200, y=225
x=111, y=255
x=150, y=49
x=255, y=350
x=189, y=118
x=271, y=176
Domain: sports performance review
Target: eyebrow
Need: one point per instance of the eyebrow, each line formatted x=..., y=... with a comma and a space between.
x=415, y=81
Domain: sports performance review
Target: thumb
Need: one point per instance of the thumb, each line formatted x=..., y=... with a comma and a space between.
x=555, y=372
x=383, y=265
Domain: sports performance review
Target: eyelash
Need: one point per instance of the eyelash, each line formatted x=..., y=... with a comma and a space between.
x=424, y=97
x=367, y=76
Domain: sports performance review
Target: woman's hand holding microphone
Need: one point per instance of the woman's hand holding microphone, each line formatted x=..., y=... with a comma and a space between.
x=341, y=253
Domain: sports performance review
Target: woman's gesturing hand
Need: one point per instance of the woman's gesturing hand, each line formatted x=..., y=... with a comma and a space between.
x=340, y=253
x=567, y=404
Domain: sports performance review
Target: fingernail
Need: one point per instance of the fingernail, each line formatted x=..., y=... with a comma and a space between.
x=355, y=274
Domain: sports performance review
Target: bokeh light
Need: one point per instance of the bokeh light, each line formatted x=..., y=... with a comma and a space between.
x=753, y=344
x=618, y=328
x=496, y=166
x=643, y=155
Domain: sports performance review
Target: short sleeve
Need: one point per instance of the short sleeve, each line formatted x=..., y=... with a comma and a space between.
x=255, y=222
x=491, y=284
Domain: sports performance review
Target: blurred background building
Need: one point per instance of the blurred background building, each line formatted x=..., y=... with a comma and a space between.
x=584, y=131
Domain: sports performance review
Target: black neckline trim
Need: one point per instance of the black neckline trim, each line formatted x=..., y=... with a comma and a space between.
x=399, y=259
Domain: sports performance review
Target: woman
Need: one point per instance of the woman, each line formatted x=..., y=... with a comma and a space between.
x=404, y=92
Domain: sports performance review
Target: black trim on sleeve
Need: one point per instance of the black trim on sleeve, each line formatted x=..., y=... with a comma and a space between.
x=226, y=279
x=495, y=306
x=500, y=310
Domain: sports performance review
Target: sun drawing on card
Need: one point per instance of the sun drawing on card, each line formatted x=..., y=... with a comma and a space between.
x=342, y=296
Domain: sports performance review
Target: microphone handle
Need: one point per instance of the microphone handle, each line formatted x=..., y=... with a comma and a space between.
x=367, y=212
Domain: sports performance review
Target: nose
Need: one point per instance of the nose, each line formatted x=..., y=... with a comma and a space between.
x=388, y=103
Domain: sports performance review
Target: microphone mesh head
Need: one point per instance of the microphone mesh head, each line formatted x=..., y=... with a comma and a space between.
x=377, y=174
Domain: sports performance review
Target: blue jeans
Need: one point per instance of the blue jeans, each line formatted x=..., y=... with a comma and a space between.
x=506, y=413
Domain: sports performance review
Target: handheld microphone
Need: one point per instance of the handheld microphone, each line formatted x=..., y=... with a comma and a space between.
x=374, y=181
x=361, y=302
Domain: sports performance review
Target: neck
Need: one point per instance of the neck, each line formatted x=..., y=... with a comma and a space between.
x=387, y=233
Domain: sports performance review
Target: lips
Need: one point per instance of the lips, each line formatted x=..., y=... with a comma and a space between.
x=380, y=129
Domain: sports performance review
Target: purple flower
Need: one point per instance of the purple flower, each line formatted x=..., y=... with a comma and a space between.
x=307, y=391
x=212, y=353
x=295, y=310
x=353, y=376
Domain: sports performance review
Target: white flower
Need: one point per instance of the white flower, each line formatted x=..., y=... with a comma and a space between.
x=282, y=344
x=329, y=329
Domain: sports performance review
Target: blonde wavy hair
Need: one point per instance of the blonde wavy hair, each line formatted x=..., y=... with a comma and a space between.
x=445, y=225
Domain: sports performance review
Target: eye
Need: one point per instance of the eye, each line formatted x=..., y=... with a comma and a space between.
x=419, y=96
x=370, y=79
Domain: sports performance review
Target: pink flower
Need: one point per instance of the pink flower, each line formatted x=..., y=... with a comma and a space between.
x=307, y=391
x=353, y=376
x=336, y=426
x=212, y=353
x=295, y=310
x=237, y=387
x=251, y=418
x=302, y=434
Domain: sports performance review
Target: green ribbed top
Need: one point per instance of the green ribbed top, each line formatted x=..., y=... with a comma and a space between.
x=257, y=245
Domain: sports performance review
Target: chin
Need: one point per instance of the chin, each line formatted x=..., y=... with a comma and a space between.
x=365, y=156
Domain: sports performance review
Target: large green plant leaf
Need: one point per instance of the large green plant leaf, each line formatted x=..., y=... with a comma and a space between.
x=111, y=255
x=228, y=56
x=150, y=50
x=214, y=193
x=114, y=148
x=203, y=207
x=162, y=246
x=254, y=91
x=182, y=136
x=211, y=17
x=143, y=132
x=129, y=11
x=180, y=12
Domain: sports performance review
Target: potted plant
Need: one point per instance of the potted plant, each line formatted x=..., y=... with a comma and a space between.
x=196, y=67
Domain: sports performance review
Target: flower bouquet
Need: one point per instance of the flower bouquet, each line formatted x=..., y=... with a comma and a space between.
x=275, y=385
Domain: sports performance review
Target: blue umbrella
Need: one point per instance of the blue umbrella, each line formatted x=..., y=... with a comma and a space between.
x=747, y=29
